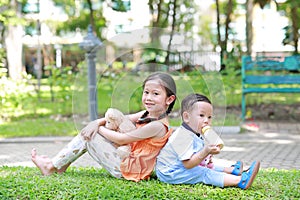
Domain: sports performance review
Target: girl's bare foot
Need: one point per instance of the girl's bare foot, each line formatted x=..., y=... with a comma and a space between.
x=44, y=163
x=63, y=169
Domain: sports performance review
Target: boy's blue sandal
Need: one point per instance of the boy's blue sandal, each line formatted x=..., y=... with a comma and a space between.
x=238, y=168
x=249, y=175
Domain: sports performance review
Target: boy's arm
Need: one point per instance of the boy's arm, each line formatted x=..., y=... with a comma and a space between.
x=200, y=155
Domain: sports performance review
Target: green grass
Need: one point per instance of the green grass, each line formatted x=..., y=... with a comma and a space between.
x=44, y=126
x=90, y=183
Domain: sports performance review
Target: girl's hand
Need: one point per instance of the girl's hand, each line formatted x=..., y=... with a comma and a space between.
x=90, y=130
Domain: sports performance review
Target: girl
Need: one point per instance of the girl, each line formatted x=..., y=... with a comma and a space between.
x=159, y=95
x=178, y=162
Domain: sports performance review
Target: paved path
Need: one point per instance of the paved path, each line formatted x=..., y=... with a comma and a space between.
x=276, y=145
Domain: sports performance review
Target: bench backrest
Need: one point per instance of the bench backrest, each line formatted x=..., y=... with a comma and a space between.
x=264, y=63
x=292, y=63
x=270, y=70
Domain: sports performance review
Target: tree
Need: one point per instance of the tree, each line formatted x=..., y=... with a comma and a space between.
x=173, y=15
x=249, y=30
x=262, y=3
x=291, y=8
x=173, y=4
x=5, y=14
x=10, y=20
x=160, y=14
x=249, y=19
x=81, y=14
x=225, y=9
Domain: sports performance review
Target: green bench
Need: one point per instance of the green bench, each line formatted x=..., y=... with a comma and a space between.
x=269, y=75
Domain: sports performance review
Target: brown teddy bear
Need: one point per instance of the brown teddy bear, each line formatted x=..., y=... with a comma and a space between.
x=117, y=121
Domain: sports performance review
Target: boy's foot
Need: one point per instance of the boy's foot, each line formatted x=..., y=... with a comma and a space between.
x=249, y=176
x=44, y=163
x=238, y=168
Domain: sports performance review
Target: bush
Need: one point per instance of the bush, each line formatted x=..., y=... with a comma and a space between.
x=14, y=96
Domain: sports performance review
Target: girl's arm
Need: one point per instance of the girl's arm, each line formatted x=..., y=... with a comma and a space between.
x=92, y=128
x=199, y=156
x=134, y=117
x=154, y=129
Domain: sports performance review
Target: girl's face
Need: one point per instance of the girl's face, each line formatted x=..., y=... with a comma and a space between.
x=155, y=98
x=199, y=116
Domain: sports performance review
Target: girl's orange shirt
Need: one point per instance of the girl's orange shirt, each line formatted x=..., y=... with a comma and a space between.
x=141, y=161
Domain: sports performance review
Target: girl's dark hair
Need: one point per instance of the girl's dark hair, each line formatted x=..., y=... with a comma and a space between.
x=188, y=102
x=168, y=83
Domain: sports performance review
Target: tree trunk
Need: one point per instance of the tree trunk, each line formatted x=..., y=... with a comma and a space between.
x=172, y=31
x=295, y=25
x=218, y=22
x=13, y=42
x=92, y=20
x=219, y=33
x=249, y=30
x=155, y=32
x=227, y=22
x=14, y=51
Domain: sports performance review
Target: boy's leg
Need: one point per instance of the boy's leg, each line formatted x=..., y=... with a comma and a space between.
x=219, y=168
x=195, y=175
x=235, y=169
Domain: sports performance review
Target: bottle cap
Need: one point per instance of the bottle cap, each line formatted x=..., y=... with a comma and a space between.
x=205, y=128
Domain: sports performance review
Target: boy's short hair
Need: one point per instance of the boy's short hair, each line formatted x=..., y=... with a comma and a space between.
x=188, y=102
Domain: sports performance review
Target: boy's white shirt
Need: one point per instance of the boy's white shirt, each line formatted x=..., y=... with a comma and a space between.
x=181, y=145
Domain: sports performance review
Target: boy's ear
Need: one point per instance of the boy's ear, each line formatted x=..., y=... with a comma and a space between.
x=185, y=117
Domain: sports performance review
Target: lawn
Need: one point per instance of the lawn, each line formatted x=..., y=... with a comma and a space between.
x=90, y=183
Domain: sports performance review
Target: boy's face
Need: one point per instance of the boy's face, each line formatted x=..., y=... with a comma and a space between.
x=199, y=116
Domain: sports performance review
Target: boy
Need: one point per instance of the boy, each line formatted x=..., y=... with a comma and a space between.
x=178, y=161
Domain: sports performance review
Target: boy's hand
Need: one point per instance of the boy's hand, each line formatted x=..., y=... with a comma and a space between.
x=213, y=149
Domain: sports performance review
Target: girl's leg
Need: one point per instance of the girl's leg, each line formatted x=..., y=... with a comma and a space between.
x=105, y=153
x=43, y=162
x=73, y=150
